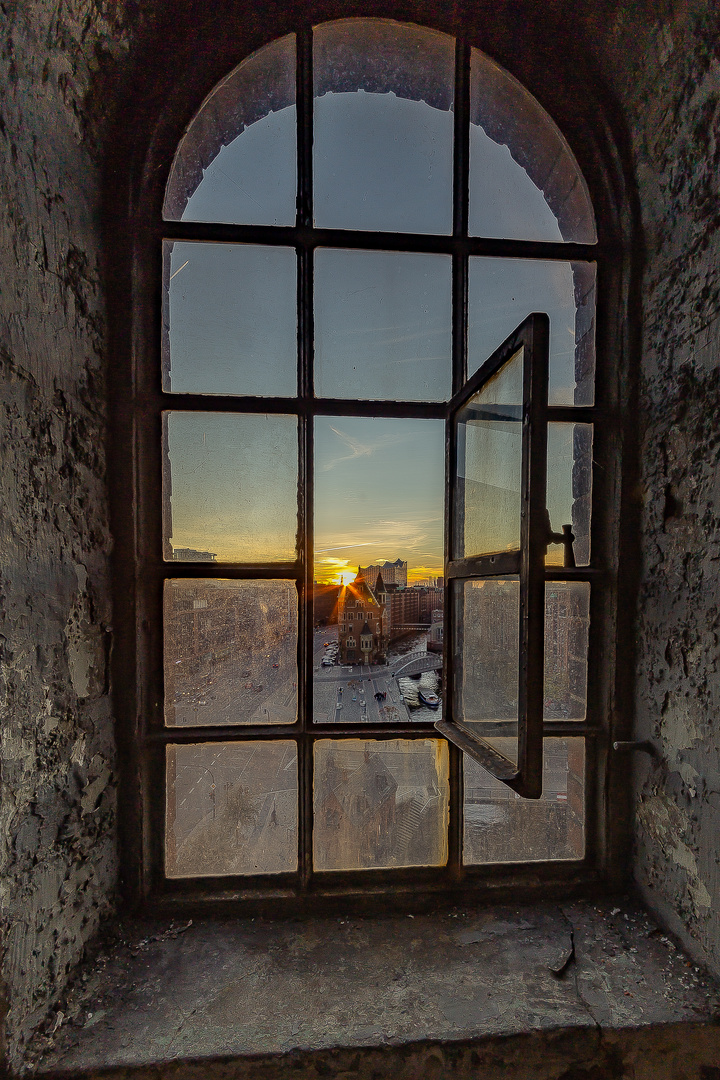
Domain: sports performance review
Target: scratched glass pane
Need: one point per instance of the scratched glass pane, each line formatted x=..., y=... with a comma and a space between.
x=380, y=804
x=489, y=466
x=229, y=487
x=500, y=827
x=488, y=644
x=569, y=492
x=567, y=625
x=231, y=808
x=382, y=325
x=383, y=126
x=230, y=651
x=503, y=292
x=525, y=183
x=236, y=162
x=229, y=319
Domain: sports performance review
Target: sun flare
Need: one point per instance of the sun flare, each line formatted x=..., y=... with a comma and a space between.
x=346, y=576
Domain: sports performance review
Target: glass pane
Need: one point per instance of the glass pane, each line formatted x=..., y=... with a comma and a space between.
x=488, y=645
x=382, y=325
x=501, y=827
x=502, y=292
x=525, y=183
x=231, y=809
x=569, y=489
x=237, y=160
x=383, y=126
x=229, y=319
x=489, y=466
x=567, y=625
x=380, y=804
x=230, y=650
x=379, y=494
x=229, y=487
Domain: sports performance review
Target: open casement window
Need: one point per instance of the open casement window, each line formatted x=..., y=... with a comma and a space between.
x=498, y=534
x=355, y=218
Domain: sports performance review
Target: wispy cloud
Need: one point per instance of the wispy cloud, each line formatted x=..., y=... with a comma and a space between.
x=339, y=547
x=359, y=449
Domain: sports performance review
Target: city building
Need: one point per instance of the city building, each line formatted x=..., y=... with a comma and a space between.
x=192, y=555
x=436, y=631
x=392, y=573
x=412, y=607
x=363, y=623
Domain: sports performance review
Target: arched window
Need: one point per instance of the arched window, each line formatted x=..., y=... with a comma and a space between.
x=378, y=332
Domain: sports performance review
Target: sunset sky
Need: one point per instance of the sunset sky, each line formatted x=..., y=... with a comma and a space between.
x=378, y=494
x=382, y=331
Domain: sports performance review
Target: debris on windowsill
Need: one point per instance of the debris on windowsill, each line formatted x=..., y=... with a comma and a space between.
x=170, y=934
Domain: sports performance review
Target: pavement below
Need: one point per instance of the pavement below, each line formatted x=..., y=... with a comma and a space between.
x=538, y=991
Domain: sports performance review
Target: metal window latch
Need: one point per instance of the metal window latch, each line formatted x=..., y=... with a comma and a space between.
x=644, y=745
x=566, y=538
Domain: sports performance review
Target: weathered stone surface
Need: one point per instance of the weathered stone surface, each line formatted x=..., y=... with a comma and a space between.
x=412, y=989
x=667, y=70
x=57, y=816
x=60, y=66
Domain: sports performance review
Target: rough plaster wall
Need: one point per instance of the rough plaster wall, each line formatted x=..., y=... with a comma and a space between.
x=57, y=855
x=57, y=813
x=672, y=96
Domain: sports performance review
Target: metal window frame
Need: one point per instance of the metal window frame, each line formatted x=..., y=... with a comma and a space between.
x=145, y=737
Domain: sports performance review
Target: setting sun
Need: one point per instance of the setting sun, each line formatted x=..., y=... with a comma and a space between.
x=346, y=576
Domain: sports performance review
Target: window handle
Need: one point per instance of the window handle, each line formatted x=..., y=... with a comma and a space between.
x=566, y=538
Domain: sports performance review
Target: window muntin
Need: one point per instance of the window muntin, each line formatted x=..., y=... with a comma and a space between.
x=297, y=567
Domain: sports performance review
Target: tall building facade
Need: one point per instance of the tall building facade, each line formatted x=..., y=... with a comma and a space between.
x=392, y=573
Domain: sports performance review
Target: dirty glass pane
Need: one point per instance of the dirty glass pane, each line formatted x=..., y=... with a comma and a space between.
x=379, y=496
x=231, y=808
x=382, y=325
x=237, y=160
x=229, y=487
x=569, y=489
x=503, y=292
x=487, y=616
x=489, y=466
x=229, y=319
x=230, y=651
x=383, y=136
x=380, y=804
x=500, y=827
x=567, y=624
x=525, y=183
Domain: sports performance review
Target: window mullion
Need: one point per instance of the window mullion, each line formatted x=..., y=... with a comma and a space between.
x=305, y=255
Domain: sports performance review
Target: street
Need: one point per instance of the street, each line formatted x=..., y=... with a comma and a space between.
x=346, y=694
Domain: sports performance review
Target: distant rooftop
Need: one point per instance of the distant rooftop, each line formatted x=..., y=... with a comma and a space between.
x=191, y=555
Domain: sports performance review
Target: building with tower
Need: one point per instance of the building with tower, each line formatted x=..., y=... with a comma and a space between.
x=363, y=622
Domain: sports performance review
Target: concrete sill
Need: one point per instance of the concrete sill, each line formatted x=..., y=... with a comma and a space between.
x=516, y=992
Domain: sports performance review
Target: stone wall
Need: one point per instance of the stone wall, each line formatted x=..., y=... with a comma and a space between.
x=57, y=813
x=661, y=66
x=667, y=71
